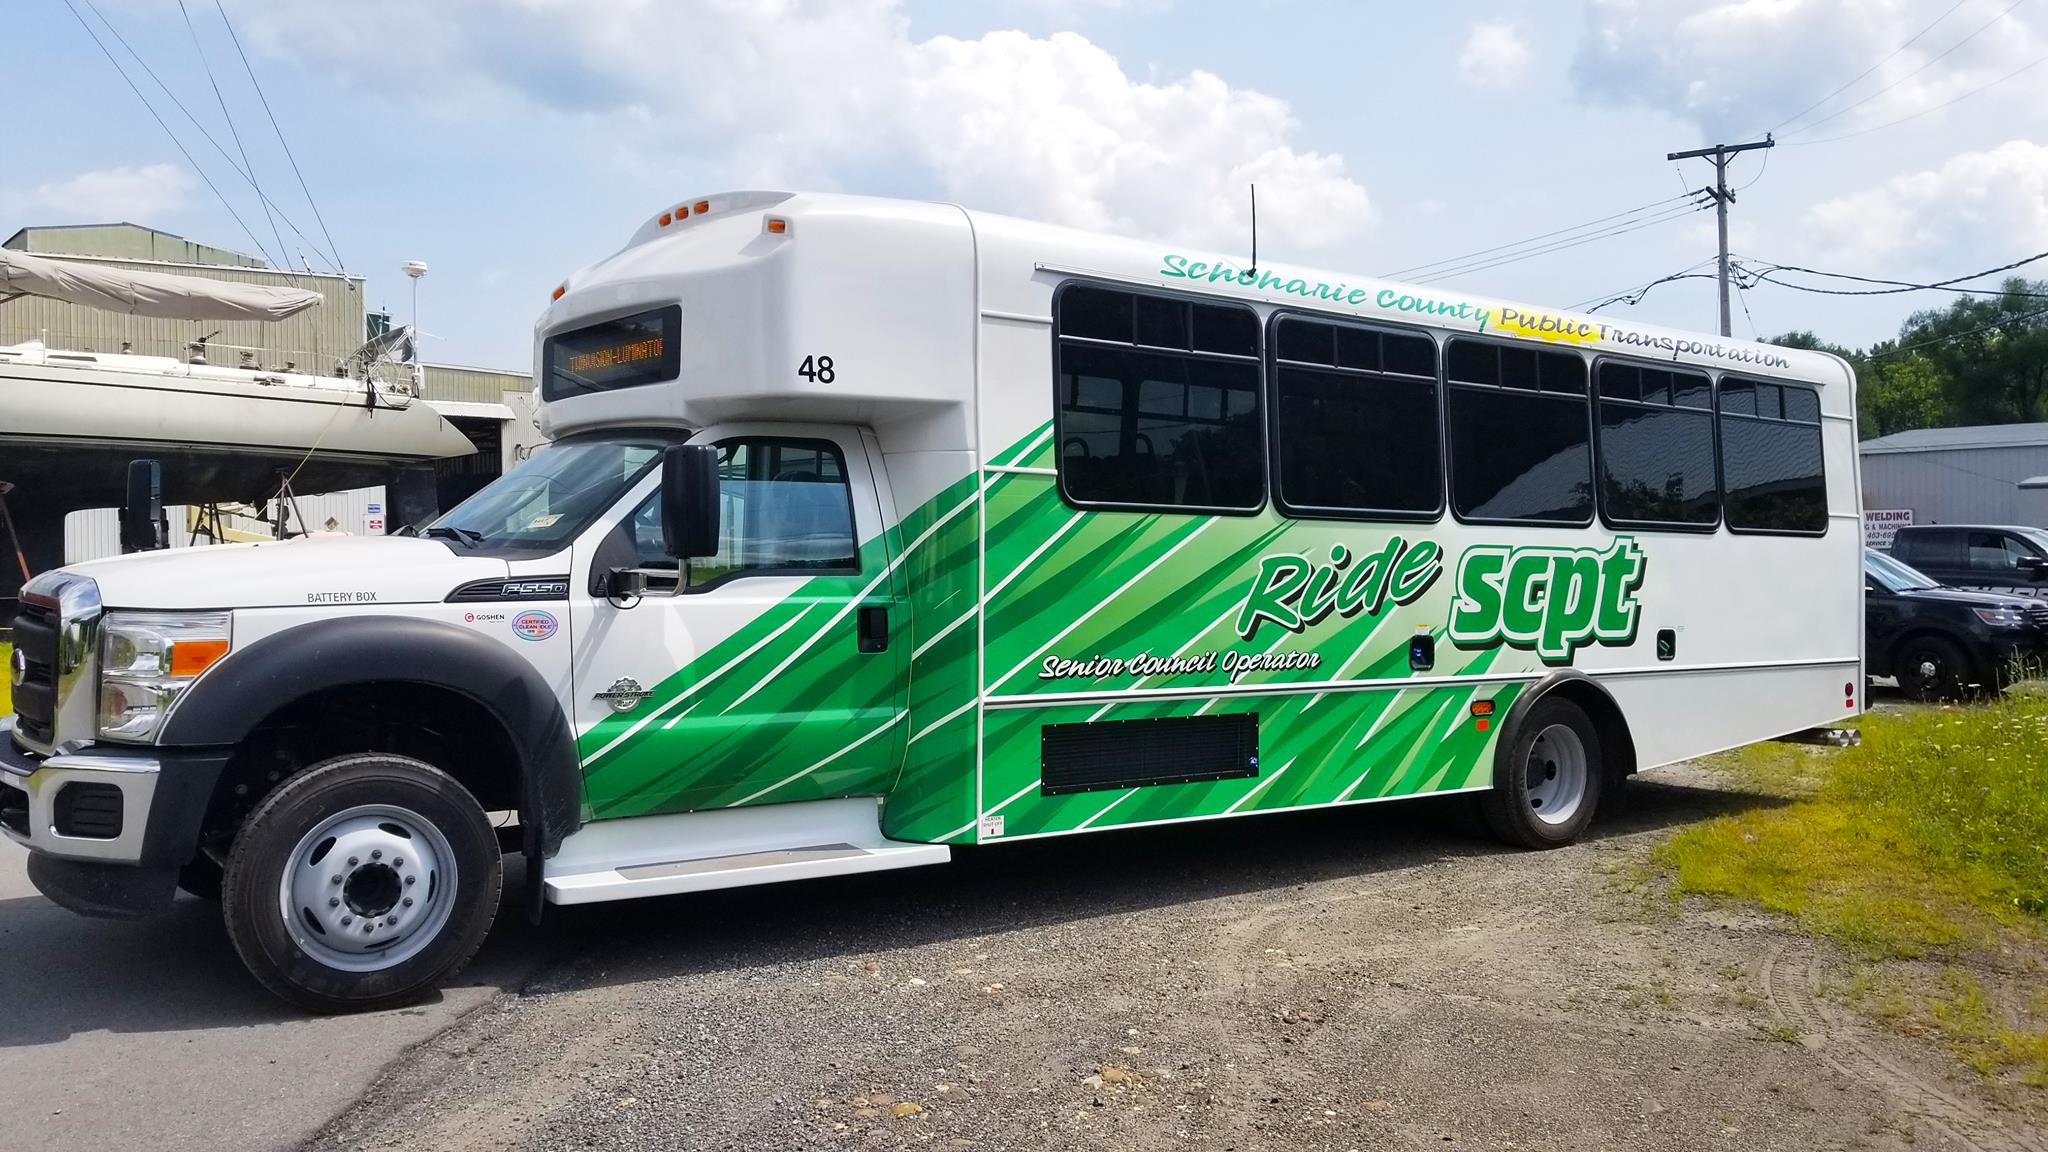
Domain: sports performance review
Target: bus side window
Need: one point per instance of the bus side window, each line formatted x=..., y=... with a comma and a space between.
x=1771, y=457
x=1157, y=402
x=1355, y=431
x=1521, y=434
x=1656, y=431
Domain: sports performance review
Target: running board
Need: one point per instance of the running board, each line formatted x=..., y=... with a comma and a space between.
x=727, y=848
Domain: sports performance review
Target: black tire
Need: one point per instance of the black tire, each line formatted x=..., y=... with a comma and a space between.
x=253, y=893
x=1510, y=811
x=202, y=878
x=1932, y=668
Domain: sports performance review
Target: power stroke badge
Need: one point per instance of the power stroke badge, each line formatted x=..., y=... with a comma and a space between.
x=624, y=695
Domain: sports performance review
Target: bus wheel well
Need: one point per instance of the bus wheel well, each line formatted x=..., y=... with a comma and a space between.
x=444, y=728
x=1617, y=746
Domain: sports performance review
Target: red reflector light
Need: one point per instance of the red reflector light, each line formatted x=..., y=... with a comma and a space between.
x=1849, y=689
x=1482, y=724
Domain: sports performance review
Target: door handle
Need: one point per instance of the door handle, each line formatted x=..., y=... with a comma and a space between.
x=873, y=627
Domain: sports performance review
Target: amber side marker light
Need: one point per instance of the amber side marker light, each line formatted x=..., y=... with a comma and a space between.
x=557, y=293
x=191, y=657
x=1482, y=714
x=777, y=225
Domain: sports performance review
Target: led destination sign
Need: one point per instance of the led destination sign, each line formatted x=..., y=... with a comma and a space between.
x=623, y=352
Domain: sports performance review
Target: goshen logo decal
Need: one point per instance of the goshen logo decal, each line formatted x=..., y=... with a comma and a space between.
x=1294, y=593
x=1552, y=600
x=534, y=625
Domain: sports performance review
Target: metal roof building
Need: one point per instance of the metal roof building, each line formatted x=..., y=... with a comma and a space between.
x=1959, y=475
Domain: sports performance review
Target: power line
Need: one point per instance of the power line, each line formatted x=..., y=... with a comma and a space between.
x=1938, y=58
x=1625, y=291
x=1395, y=275
x=2038, y=61
x=2025, y=316
x=235, y=134
x=1560, y=245
x=1867, y=71
x=254, y=83
x=194, y=120
x=1635, y=297
x=158, y=117
x=1895, y=287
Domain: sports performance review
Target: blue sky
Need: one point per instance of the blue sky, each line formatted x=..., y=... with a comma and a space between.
x=508, y=142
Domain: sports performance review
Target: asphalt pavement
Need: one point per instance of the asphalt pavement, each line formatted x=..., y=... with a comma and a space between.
x=149, y=1034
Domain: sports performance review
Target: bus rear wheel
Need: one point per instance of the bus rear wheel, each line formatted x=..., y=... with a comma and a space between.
x=362, y=883
x=1547, y=784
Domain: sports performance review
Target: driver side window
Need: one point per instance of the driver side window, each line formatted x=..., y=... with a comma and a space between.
x=785, y=508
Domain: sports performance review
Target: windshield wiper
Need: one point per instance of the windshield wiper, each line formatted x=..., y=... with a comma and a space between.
x=469, y=536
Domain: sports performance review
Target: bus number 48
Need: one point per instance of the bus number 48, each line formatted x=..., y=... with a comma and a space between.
x=816, y=369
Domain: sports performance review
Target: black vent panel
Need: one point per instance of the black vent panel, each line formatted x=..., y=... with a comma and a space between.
x=89, y=811
x=35, y=698
x=1137, y=753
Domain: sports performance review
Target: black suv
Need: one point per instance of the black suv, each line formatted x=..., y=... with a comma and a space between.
x=1941, y=643
x=1988, y=557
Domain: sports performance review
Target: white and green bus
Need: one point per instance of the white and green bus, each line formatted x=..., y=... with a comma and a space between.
x=870, y=529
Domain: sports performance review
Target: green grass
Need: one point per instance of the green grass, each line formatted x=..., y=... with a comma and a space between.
x=1928, y=843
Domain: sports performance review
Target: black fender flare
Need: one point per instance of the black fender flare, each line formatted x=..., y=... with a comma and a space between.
x=253, y=683
x=1606, y=715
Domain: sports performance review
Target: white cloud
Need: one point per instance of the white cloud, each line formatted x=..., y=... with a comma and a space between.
x=800, y=92
x=146, y=194
x=1734, y=67
x=1923, y=223
x=1495, y=56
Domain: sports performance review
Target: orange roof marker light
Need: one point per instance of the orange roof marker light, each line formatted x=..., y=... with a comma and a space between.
x=665, y=219
x=701, y=207
x=557, y=294
x=776, y=225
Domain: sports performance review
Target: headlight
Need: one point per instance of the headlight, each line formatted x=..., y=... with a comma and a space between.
x=147, y=660
x=2002, y=617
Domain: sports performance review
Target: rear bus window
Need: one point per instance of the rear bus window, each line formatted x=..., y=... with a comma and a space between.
x=1771, y=457
x=1656, y=434
x=1521, y=434
x=1158, y=402
x=1355, y=421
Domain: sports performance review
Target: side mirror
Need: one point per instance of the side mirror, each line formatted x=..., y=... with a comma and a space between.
x=689, y=500
x=142, y=513
x=2034, y=566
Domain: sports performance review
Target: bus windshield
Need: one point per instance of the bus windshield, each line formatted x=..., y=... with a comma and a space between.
x=539, y=506
x=1895, y=575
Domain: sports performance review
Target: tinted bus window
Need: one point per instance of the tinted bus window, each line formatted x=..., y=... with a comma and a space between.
x=1521, y=434
x=1355, y=422
x=1158, y=402
x=1656, y=447
x=1771, y=457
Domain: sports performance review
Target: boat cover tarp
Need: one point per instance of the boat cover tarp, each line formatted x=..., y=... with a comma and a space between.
x=158, y=294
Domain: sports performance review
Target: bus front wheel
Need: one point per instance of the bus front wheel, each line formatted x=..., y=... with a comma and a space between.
x=1547, y=784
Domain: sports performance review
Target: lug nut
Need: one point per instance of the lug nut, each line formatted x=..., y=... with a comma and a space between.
x=352, y=861
x=410, y=879
x=390, y=920
x=398, y=861
x=368, y=927
x=408, y=901
x=347, y=920
x=336, y=877
x=376, y=853
x=334, y=901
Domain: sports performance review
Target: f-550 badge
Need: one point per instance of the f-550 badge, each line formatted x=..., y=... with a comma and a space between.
x=624, y=695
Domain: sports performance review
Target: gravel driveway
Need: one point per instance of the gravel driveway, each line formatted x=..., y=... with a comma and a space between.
x=1368, y=978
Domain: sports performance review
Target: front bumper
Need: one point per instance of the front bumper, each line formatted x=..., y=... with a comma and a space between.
x=107, y=828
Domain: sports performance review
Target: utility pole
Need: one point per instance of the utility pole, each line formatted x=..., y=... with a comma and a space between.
x=1723, y=197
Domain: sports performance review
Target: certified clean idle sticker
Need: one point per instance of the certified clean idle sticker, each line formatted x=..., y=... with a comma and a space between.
x=534, y=625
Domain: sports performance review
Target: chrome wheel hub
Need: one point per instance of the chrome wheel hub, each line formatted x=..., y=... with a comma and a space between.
x=368, y=888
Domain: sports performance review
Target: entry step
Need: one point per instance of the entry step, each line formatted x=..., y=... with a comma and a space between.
x=727, y=848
